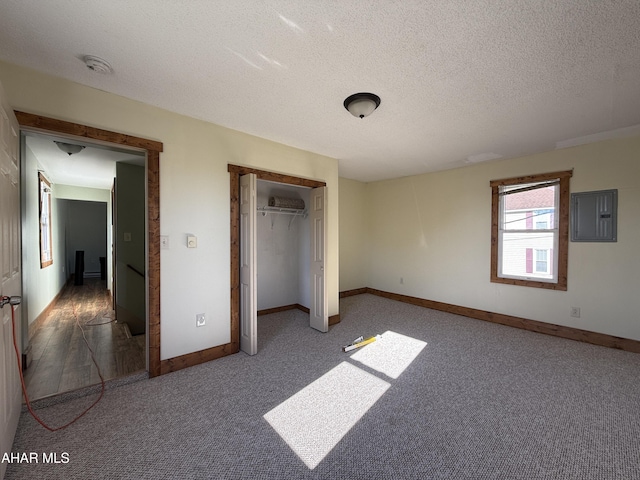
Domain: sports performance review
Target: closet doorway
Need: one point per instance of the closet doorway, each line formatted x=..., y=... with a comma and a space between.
x=277, y=253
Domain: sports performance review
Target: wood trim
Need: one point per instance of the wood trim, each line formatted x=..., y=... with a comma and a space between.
x=563, y=229
x=153, y=252
x=42, y=179
x=302, y=308
x=350, y=293
x=234, y=200
x=284, y=308
x=540, y=177
x=570, y=333
x=240, y=170
x=152, y=149
x=38, y=122
x=334, y=319
x=563, y=232
x=34, y=326
x=191, y=359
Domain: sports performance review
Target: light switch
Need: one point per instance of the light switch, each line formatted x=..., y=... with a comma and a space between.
x=164, y=242
x=192, y=241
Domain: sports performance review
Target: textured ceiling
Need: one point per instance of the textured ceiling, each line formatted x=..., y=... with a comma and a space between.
x=460, y=81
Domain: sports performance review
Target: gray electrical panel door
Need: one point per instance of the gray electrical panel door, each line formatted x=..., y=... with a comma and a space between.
x=594, y=216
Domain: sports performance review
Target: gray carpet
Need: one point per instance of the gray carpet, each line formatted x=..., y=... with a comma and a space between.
x=478, y=401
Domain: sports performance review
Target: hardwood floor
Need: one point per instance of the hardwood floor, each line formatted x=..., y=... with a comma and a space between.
x=61, y=360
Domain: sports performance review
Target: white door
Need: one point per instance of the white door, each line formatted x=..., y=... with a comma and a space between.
x=318, y=314
x=248, y=258
x=10, y=284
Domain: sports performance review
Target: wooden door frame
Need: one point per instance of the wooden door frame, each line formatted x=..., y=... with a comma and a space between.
x=235, y=172
x=152, y=148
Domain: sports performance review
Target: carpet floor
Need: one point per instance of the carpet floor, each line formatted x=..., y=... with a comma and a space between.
x=439, y=396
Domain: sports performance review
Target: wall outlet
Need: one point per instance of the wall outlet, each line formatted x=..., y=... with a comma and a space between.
x=575, y=312
x=200, y=321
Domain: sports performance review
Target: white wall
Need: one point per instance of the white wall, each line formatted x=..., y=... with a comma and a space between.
x=433, y=230
x=283, y=251
x=194, y=195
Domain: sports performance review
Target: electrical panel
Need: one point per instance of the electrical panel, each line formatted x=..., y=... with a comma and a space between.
x=594, y=216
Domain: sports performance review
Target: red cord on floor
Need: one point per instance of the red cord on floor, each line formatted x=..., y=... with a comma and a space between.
x=24, y=388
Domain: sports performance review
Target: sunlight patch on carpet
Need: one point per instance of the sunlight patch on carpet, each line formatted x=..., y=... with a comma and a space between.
x=316, y=418
x=390, y=355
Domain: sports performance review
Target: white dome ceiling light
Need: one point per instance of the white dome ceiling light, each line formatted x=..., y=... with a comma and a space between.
x=361, y=104
x=69, y=148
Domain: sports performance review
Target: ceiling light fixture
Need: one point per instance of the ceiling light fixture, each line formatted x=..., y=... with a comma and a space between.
x=361, y=104
x=97, y=64
x=69, y=148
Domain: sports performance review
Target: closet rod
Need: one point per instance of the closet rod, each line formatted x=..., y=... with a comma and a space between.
x=283, y=211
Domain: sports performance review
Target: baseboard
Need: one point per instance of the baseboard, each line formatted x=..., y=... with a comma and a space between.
x=333, y=319
x=284, y=308
x=570, y=333
x=192, y=359
x=350, y=293
x=40, y=319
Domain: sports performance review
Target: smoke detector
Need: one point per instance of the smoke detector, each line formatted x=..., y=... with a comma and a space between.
x=97, y=64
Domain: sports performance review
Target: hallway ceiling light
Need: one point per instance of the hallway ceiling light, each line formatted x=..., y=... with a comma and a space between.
x=69, y=148
x=361, y=104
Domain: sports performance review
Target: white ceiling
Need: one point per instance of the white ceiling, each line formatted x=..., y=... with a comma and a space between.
x=93, y=167
x=459, y=80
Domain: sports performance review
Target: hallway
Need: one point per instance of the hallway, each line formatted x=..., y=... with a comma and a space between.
x=61, y=361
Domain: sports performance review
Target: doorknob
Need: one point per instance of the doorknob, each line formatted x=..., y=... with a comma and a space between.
x=11, y=300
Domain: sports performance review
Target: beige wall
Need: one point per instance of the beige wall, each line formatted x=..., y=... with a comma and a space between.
x=194, y=191
x=433, y=230
x=354, y=225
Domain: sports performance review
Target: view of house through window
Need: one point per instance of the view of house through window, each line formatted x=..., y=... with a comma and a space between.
x=530, y=228
x=46, y=250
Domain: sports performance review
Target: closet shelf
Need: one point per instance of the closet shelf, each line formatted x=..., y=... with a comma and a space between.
x=294, y=212
x=284, y=211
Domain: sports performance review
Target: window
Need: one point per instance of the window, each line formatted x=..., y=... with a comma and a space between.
x=542, y=261
x=529, y=230
x=46, y=251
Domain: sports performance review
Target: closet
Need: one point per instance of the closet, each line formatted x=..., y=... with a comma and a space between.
x=283, y=246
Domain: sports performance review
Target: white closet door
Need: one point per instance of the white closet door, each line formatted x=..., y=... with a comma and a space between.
x=248, y=259
x=318, y=314
x=10, y=283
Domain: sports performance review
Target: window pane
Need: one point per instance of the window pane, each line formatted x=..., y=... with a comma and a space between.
x=528, y=209
x=520, y=254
